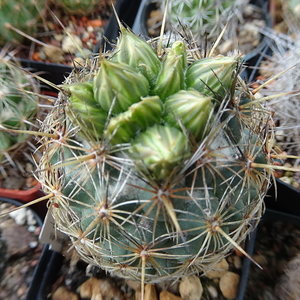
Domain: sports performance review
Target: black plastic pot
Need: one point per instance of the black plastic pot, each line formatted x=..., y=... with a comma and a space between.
x=54, y=73
x=127, y=11
x=283, y=198
x=45, y=274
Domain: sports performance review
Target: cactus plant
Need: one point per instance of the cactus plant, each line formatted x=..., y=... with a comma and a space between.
x=23, y=15
x=155, y=162
x=18, y=106
x=203, y=18
x=78, y=7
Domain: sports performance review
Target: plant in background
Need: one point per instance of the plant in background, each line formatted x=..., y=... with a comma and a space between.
x=18, y=106
x=156, y=159
x=23, y=15
x=204, y=18
x=286, y=107
x=78, y=7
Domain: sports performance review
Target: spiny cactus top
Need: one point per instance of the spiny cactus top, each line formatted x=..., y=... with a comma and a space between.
x=152, y=161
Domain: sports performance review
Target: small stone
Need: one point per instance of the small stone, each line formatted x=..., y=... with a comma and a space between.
x=54, y=54
x=258, y=96
x=22, y=291
x=30, y=219
x=226, y=46
x=229, y=284
x=138, y=295
x=59, y=37
x=190, y=288
x=31, y=228
x=71, y=44
x=288, y=165
x=279, y=134
x=33, y=244
x=171, y=286
x=212, y=291
x=90, y=29
x=86, y=289
x=90, y=44
x=99, y=288
x=219, y=269
x=62, y=293
x=296, y=184
x=165, y=295
x=20, y=216
x=41, y=55
x=237, y=262
x=28, y=167
x=54, y=42
x=85, y=35
x=78, y=61
x=133, y=284
x=150, y=292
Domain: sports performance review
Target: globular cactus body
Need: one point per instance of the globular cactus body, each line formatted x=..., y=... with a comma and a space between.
x=152, y=161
